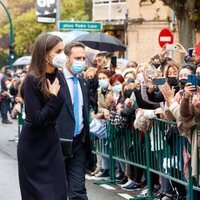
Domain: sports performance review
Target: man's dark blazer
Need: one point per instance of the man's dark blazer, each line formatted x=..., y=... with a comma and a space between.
x=66, y=121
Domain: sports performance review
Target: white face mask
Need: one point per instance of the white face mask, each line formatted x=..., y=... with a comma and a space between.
x=59, y=60
x=118, y=71
x=117, y=88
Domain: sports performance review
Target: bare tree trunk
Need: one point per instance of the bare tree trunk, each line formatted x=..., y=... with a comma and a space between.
x=186, y=30
x=88, y=8
x=186, y=26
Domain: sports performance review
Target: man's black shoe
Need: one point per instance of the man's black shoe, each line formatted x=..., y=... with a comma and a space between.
x=6, y=122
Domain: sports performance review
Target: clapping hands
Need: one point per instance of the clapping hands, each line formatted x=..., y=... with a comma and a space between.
x=168, y=93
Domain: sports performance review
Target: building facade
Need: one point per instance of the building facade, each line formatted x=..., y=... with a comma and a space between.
x=136, y=24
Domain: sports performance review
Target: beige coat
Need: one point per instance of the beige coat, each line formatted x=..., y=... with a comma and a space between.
x=187, y=111
x=184, y=124
x=103, y=102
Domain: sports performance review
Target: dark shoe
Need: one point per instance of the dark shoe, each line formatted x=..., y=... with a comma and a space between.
x=120, y=176
x=96, y=171
x=6, y=122
x=13, y=117
x=156, y=188
x=132, y=186
x=103, y=175
x=122, y=181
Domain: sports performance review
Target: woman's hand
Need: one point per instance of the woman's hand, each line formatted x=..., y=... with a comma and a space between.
x=54, y=87
x=196, y=101
x=109, y=98
x=168, y=93
x=119, y=107
x=97, y=116
x=106, y=114
x=128, y=102
x=159, y=111
x=151, y=86
x=163, y=52
x=189, y=88
x=6, y=94
x=181, y=49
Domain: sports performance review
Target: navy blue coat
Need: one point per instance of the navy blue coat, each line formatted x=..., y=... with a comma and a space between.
x=40, y=160
x=66, y=121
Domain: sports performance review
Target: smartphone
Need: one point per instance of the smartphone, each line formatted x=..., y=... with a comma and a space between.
x=150, y=73
x=171, y=47
x=192, y=78
x=113, y=61
x=198, y=80
x=190, y=51
x=159, y=81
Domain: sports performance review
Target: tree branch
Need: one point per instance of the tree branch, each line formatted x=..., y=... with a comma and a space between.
x=190, y=5
x=169, y=3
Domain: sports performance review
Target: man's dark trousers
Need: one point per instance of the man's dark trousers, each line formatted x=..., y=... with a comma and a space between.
x=75, y=171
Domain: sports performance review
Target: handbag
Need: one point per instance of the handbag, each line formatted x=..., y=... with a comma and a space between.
x=117, y=120
x=98, y=128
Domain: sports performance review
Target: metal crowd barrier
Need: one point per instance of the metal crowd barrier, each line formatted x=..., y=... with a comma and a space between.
x=159, y=150
x=20, y=120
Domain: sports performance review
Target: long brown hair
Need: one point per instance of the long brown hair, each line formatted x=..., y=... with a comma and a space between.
x=43, y=45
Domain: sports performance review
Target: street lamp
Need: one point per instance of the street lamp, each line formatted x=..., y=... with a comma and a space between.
x=11, y=41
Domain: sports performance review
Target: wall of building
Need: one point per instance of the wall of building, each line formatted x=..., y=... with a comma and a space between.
x=143, y=38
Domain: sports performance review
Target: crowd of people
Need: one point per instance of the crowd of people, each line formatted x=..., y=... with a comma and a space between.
x=156, y=89
x=10, y=100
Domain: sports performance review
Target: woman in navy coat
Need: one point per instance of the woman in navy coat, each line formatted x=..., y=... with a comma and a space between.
x=40, y=160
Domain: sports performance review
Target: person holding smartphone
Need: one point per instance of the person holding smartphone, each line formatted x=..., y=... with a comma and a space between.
x=40, y=161
x=195, y=58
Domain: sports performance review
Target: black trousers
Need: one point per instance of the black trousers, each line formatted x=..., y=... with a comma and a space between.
x=75, y=171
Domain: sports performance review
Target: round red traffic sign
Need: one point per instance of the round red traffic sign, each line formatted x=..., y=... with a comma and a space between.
x=165, y=37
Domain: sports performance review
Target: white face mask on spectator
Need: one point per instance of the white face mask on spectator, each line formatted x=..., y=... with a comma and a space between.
x=103, y=84
x=118, y=71
x=117, y=88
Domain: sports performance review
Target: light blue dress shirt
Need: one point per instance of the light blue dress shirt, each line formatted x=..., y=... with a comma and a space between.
x=69, y=79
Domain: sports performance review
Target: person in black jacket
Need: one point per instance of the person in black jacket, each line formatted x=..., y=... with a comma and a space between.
x=5, y=96
x=74, y=121
x=40, y=160
x=171, y=74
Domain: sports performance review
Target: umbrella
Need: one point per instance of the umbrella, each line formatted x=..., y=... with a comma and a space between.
x=24, y=60
x=101, y=42
x=68, y=36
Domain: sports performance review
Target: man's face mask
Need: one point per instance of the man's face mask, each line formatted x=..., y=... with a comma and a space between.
x=77, y=66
